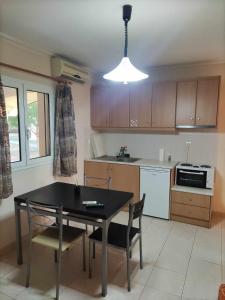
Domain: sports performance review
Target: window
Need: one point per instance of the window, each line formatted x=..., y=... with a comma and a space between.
x=38, y=124
x=30, y=118
x=12, y=109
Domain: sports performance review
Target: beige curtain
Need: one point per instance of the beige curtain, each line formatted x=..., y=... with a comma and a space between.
x=65, y=154
x=6, y=188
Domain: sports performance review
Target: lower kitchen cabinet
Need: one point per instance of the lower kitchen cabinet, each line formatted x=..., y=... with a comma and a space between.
x=191, y=208
x=96, y=174
x=123, y=177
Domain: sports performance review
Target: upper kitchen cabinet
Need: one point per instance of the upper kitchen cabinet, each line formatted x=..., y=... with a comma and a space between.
x=140, y=105
x=163, y=104
x=99, y=107
x=197, y=102
x=207, y=101
x=119, y=106
x=186, y=103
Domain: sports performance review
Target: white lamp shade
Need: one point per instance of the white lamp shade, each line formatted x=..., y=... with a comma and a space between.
x=125, y=72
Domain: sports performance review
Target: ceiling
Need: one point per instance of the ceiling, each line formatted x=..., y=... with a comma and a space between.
x=161, y=32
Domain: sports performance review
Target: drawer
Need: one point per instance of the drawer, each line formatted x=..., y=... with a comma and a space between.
x=190, y=211
x=191, y=199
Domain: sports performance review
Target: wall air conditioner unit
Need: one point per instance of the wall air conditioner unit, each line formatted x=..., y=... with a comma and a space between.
x=63, y=68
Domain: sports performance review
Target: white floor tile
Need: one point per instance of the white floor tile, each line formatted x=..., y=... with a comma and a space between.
x=138, y=275
x=5, y=297
x=172, y=260
x=167, y=247
x=153, y=294
x=34, y=294
x=207, y=246
x=5, y=268
x=166, y=281
x=203, y=280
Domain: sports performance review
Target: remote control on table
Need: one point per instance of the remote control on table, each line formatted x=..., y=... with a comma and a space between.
x=95, y=205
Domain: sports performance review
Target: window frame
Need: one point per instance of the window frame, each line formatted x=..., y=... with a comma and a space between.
x=22, y=87
x=31, y=86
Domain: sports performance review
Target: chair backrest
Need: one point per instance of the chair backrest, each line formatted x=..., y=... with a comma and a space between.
x=40, y=215
x=135, y=211
x=97, y=181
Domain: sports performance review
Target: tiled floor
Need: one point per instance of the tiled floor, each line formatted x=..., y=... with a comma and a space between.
x=180, y=262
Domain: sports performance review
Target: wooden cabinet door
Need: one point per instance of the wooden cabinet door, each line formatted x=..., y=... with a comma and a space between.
x=186, y=103
x=96, y=174
x=163, y=104
x=125, y=178
x=99, y=107
x=119, y=106
x=140, y=105
x=207, y=101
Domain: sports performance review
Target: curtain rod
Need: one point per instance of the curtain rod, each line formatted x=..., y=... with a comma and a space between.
x=35, y=73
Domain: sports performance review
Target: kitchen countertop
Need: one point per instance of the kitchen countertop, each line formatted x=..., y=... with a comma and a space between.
x=142, y=162
x=193, y=190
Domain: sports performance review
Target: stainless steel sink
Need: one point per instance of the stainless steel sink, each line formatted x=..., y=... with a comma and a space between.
x=117, y=158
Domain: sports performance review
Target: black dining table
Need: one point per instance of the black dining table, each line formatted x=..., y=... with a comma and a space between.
x=71, y=198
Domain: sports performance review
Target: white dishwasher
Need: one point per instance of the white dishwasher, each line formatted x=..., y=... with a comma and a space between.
x=155, y=183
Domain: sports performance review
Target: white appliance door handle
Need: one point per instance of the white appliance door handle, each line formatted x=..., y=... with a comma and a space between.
x=195, y=173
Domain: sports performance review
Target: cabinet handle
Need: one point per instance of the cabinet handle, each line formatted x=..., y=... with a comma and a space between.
x=198, y=118
x=133, y=123
x=191, y=118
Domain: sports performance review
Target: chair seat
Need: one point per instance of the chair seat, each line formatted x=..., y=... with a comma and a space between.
x=50, y=237
x=117, y=235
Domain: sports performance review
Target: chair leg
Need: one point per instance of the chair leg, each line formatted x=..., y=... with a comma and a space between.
x=28, y=265
x=68, y=222
x=58, y=274
x=93, y=244
x=90, y=259
x=84, y=253
x=130, y=253
x=86, y=228
x=128, y=270
x=141, y=257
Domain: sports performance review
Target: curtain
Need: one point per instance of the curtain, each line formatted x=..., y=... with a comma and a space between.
x=6, y=188
x=65, y=156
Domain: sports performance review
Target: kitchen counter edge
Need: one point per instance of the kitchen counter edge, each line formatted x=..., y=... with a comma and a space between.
x=141, y=163
x=193, y=190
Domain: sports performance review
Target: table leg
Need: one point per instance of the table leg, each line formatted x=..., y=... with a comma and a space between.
x=18, y=235
x=104, y=257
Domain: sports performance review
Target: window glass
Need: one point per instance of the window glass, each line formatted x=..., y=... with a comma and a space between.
x=38, y=129
x=11, y=100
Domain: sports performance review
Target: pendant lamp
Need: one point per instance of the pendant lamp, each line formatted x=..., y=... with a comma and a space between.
x=125, y=72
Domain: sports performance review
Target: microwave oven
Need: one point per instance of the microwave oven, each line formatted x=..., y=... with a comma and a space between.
x=199, y=176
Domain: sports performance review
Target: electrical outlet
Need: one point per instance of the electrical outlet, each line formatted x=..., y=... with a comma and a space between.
x=188, y=143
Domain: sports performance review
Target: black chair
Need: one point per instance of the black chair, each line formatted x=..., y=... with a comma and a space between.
x=97, y=182
x=56, y=236
x=122, y=236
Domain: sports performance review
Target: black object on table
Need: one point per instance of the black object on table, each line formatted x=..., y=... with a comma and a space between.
x=65, y=194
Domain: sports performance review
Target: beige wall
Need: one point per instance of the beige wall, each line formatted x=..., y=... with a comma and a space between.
x=207, y=147
x=29, y=179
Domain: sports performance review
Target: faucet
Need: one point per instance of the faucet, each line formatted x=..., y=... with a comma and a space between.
x=123, y=149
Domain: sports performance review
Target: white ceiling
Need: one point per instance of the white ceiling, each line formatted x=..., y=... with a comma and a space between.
x=161, y=32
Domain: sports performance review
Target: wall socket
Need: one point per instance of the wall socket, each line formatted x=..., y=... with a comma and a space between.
x=188, y=143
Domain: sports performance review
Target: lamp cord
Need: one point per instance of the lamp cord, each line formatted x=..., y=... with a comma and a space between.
x=126, y=38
